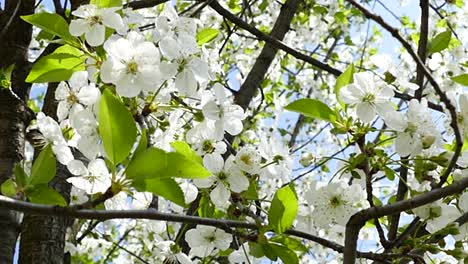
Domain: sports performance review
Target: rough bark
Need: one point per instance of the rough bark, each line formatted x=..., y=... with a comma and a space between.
x=15, y=36
x=12, y=128
x=46, y=244
x=268, y=53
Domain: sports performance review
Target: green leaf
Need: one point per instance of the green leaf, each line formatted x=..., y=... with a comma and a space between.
x=5, y=76
x=143, y=144
x=155, y=163
x=44, y=168
x=180, y=166
x=106, y=3
x=440, y=41
x=283, y=209
x=284, y=253
x=289, y=242
x=43, y=194
x=8, y=188
x=461, y=79
x=167, y=188
x=53, y=24
x=58, y=66
x=206, y=35
x=117, y=127
x=312, y=108
x=20, y=176
x=344, y=79
x=184, y=149
x=146, y=164
x=205, y=206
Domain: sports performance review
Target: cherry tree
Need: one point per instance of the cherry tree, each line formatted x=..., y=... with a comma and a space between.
x=233, y=131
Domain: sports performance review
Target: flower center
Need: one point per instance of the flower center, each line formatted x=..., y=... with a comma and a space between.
x=132, y=68
x=369, y=98
x=412, y=128
x=95, y=20
x=246, y=159
x=335, y=201
x=222, y=176
x=207, y=146
x=434, y=212
x=211, y=238
x=72, y=99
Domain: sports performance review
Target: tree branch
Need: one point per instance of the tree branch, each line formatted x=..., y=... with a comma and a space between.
x=103, y=215
x=144, y=4
x=400, y=196
x=273, y=41
x=357, y=221
x=443, y=97
x=422, y=46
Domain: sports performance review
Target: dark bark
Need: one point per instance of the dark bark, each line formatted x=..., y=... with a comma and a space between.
x=268, y=53
x=46, y=244
x=15, y=36
x=12, y=130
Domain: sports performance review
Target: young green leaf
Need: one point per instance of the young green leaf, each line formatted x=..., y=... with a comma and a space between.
x=284, y=253
x=155, y=163
x=184, y=149
x=43, y=194
x=44, y=168
x=21, y=177
x=283, y=209
x=206, y=35
x=52, y=23
x=58, y=66
x=106, y=3
x=461, y=79
x=440, y=42
x=344, y=79
x=289, y=242
x=167, y=188
x=143, y=144
x=180, y=166
x=8, y=188
x=117, y=127
x=146, y=164
x=312, y=108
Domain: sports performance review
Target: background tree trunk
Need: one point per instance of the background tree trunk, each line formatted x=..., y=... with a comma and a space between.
x=15, y=36
x=46, y=244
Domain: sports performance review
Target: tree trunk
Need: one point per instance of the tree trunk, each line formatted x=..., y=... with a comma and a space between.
x=15, y=36
x=46, y=244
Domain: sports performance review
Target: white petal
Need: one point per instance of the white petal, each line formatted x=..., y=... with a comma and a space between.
x=463, y=202
x=78, y=27
x=186, y=83
x=89, y=95
x=63, y=153
x=114, y=21
x=76, y=167
x=98, y=167
x=190, y=192
x=365, y=112
x=238, y=182
x=220, y=195
x=62, y=92
x=95, y=36
x=213, y=162
x=63, y=108
x=200, y=69
x=403, y=144
x=169, y=48
x=233, y=126
x=78, y=80
x=211, y=110
x=126, y=86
